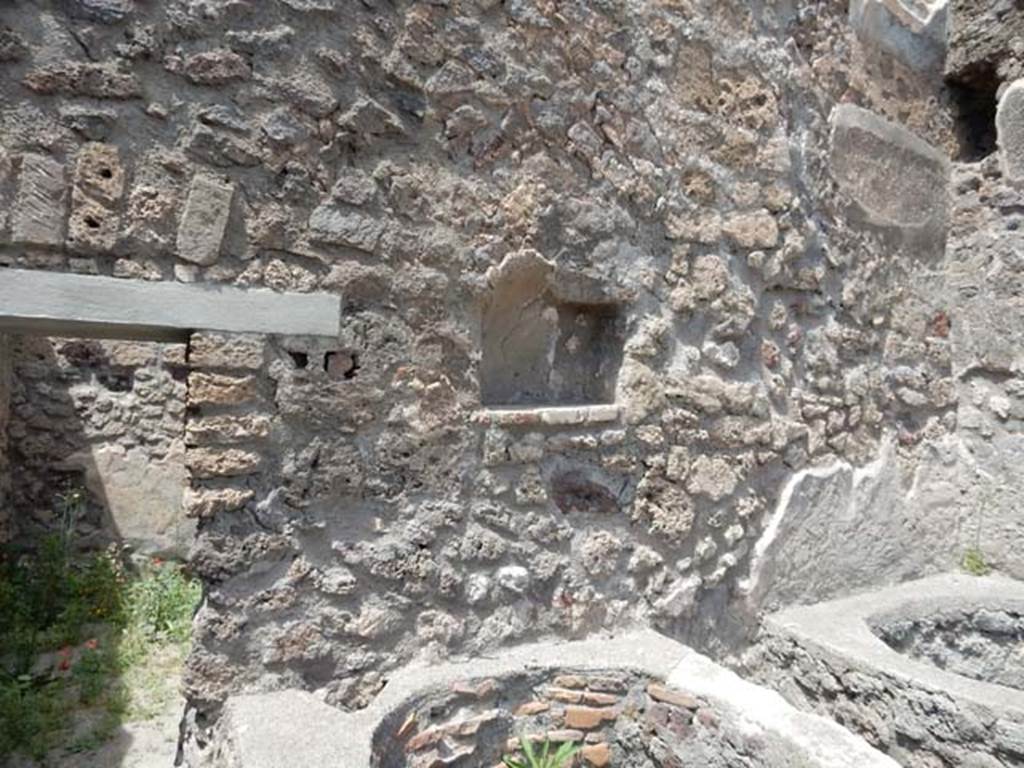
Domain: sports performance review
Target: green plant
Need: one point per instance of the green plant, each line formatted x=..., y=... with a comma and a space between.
x=29, y=713
x=974, y=563
x=161, y=603
x=122, y=642
x=71, y=506
x=542, y=757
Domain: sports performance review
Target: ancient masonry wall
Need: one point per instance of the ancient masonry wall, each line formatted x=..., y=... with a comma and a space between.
x=627, y=209
x=105, y=417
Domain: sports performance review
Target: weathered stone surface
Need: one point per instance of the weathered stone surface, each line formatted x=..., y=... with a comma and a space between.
x=215, y=67
x=713, y=315
x=204, y=219
x=213, y=462
x=144, y=498
x=218, y=350
x=914, y=31
x=98, y=186
x=1010, y=130
x=99, y=80
x=893, y=177
x=218, y=389
x=209, y=503
x=222, y=430
x=40, y=207
x=329, y=224
x=982, y=35
x=866, y=524
x=752, y=230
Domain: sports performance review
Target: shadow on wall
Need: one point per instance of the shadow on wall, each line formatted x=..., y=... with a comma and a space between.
x=95, y=453
x=109, y=418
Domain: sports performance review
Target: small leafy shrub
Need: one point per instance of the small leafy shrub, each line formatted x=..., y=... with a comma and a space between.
x=542, y=757
x=974, y=563
x=110, y=634
x=162, y=602
x=29, y=713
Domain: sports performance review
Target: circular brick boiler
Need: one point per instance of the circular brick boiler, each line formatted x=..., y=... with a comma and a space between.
x=636, y=700
x=616, y=717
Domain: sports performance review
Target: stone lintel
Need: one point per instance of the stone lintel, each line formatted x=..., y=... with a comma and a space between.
x=58, y=304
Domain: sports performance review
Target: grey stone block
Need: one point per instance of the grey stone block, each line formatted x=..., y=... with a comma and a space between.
x=103, y=307
x=893, y=177
x=205, y=219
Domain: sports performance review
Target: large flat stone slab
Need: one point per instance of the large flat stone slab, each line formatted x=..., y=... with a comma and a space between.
x=893, y=178
x=56, y=304
x=914, y=31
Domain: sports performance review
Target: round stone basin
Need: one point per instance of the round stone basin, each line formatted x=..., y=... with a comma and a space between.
x=985, y=644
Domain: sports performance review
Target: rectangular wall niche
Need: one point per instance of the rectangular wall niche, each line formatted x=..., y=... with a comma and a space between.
x=549, y=338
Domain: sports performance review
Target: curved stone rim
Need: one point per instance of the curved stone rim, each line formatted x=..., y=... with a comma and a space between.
x=294, y=728
x=843, y=629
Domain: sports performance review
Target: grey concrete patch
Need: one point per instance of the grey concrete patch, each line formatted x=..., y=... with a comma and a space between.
x=914, y=31
x=103, y=307
x=289, y=727
x=829, y=657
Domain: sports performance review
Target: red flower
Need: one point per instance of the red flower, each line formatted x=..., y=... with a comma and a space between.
x=65, y=658
x=92, y=643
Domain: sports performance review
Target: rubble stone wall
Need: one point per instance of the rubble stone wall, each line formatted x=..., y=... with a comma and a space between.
x=642, y=191
x=108, y=418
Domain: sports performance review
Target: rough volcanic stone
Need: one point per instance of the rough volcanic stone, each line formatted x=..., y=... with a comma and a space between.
x=215, y=389
x=208, y=503
x=219, y=350
x=214, y=462
x=205, y=219
x=99, y=80
x=95, y=198
x=982, y=35
x=216, y=68
x=329, y=224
